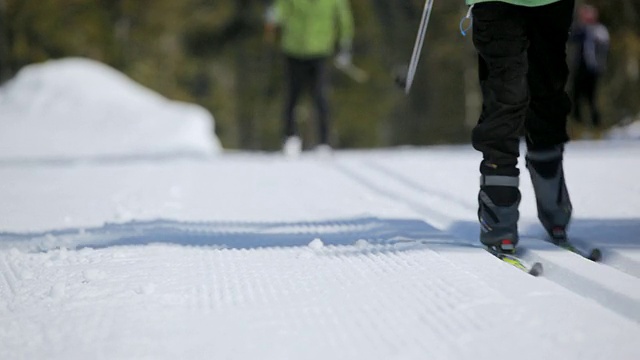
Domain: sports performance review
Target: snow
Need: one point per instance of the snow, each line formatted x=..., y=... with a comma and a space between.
x=159, y=250
x=77, y=107
x=627, y=131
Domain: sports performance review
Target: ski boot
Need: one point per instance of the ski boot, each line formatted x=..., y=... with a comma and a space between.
x=552, y=197
x=498, y=200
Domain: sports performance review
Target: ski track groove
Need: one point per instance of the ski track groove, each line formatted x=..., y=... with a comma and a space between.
x=434, y=193
x=620, y=303
x=618, y=260
x=9, y=277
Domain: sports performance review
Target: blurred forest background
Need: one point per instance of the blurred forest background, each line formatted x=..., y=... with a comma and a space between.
x=212, y=52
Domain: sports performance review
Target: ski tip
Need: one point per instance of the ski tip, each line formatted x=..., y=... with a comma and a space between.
x=595, y=255
x=536, y=269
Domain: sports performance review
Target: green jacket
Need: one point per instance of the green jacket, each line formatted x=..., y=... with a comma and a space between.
x=311, y=28
x=517, y=2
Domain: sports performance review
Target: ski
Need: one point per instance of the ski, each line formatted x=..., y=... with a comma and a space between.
x=534, y=269
x=593, y=254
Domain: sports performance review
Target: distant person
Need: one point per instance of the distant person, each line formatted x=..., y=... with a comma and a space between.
x=310, y=31
x=522, y=68
x=592, y=40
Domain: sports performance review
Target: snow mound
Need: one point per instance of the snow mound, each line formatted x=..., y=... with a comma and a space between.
x=630, y=130
x=77, y=107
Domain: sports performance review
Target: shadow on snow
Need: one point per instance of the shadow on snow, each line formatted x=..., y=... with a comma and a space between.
x=237, y=235
x=610, y=234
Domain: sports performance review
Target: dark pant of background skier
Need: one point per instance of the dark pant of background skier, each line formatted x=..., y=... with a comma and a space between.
x=523, y=72
x=308, y=74
x=584, y=89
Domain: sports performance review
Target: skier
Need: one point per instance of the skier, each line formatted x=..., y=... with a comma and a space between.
x=522, y=70
x=310, y=31
x=592, y=39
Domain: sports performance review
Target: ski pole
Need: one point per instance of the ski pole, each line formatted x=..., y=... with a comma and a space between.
x=417, y=47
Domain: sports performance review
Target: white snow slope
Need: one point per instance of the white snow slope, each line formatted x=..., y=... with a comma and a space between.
x=361, y=255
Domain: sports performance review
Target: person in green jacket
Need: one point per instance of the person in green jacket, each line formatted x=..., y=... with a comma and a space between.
x=522, y=68
x=310, y=31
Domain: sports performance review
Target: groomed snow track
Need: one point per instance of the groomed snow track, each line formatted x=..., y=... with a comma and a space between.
x=343, y=258
x=614, y=282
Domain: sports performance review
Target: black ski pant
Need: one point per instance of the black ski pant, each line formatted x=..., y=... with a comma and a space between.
x=307, y=74
x=523, y=72
x=584, y=89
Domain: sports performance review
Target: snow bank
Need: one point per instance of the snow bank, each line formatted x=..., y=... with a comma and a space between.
x=77, y=107
x=629, y=131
